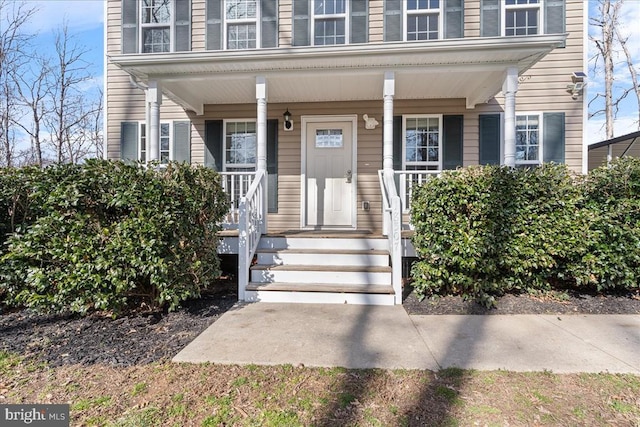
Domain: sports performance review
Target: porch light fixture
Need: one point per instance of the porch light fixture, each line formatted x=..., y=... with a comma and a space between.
x=288, y=122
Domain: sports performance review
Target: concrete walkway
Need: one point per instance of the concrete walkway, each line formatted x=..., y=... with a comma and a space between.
x=355, y=336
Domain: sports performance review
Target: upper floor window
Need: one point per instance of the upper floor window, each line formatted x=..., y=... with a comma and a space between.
x=155, y=25
x=422, y=20
x=329, y=22
x=242, y=23
x=412, y=20
x=522, y=17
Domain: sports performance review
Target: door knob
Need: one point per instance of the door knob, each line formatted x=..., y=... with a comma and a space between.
x=349, y=176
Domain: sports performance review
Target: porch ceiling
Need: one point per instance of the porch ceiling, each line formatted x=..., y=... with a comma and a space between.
x=473, y=69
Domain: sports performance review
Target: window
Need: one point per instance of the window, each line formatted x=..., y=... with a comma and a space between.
x=155, y=25
x=528, y=139
x=422, y=143
x=240, y=150
x=329, y=22
x=242, y=23
x=422, y=20
x=329, y=138
x=522, y=17
x=165, y=143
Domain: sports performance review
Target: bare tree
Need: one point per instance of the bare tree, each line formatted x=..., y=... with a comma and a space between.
x=632, y=70
x=69, y=109
x=33, y=91
x=609, y=42
x=13, y=45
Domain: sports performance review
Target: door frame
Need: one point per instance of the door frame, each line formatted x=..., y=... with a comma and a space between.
x=304, y=120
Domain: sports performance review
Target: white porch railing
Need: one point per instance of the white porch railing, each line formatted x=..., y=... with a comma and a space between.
x=392, y=225
x=408, y=180
x=252, y=224
x=235, y=185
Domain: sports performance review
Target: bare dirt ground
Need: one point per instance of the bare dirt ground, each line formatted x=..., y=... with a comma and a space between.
x=117, y=372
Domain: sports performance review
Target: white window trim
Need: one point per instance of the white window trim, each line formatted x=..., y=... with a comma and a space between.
x=540, y=138
x=142, y=125
x=404, y=140
x=503, y=12
x=406, y=13
x=171, y=24
x=347, y=23
x=257, y=20
x=225, y=122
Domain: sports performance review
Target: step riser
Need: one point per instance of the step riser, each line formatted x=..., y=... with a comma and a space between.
x=319, y=298
x=267, y=242
x=337, y=277
x=323, y=259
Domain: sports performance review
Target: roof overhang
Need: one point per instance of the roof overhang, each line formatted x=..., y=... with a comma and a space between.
x=472, y=69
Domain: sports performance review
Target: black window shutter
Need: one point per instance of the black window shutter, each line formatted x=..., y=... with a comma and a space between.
x=183, y=25
x=393, y=20
x=214, y=24
x=452, y=137
x=397, y=143
x=272, y=165
x=213, y=144
x=453, y=19
x=489, y=139
x=129, y=26
x=269, y=23
x=182, y=141
x=553, y=139
x=129, y=141
x=301, y=18
x=490, y=18
x=554, y=17
x=359, y=21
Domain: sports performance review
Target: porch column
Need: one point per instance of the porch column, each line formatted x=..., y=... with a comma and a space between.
x=261, y=131
x=509, y=89
x=387, y=138
x=154, y=100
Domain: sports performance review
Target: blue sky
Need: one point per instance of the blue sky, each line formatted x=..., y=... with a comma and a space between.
x=86, y=18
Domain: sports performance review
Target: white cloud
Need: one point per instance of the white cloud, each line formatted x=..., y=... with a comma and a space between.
x=81, y=15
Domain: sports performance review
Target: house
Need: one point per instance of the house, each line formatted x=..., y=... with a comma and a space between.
x=601, y=153
x=321, y=115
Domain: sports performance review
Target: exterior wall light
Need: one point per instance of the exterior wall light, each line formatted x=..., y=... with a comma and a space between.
x=288, y=122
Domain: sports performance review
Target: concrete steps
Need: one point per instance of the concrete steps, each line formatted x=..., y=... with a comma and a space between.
x=321, y=269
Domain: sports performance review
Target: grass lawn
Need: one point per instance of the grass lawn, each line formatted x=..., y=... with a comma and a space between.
x=166, y=394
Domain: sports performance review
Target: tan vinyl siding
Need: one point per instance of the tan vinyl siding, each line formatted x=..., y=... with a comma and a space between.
x=285, y=24
x=198, y=26
x=376, y=21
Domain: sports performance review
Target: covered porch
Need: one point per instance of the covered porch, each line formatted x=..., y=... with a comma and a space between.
x=472, y=71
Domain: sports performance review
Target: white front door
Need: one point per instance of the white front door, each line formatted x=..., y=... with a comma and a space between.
x=330, y=174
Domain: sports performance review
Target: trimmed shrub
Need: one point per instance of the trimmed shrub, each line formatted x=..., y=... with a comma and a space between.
x=612, y=201
x=483, y=231
x=104, y=234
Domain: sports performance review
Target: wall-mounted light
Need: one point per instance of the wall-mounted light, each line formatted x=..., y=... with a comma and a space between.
x=578, y=85
x=288, y=122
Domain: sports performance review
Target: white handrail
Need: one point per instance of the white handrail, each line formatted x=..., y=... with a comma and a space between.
x=392, y=224
x=251, y=225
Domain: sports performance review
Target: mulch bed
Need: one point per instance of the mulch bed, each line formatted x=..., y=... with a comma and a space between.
x=143, y=338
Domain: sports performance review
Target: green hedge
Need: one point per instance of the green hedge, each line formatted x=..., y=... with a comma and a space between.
x=484, y=231
x=105, y=234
